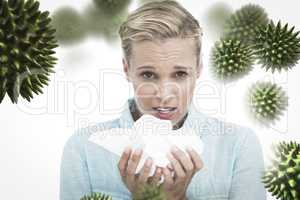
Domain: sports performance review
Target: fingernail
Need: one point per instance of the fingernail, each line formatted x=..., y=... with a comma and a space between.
x=148, y=162
x=127, y=150
x=138, y=151
x=189, y=149
x=174, y=149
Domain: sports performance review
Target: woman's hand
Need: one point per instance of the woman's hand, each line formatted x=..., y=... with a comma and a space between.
x=184, y=167
x=127, y=166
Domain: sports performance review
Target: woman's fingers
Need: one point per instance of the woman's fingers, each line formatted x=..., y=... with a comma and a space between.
x=180, y=163
x=144, y=173
x=168, y=179
x=156, y=177
x=170, y=167
x=122, y=165
x=184, y=160
x=179, y=171
x=196, y=159
x=132, y=164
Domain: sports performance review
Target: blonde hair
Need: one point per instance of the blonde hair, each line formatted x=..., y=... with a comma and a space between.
x=159, y=20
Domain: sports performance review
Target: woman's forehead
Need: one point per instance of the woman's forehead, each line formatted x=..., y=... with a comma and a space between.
x=166, y=44
x=172, y=50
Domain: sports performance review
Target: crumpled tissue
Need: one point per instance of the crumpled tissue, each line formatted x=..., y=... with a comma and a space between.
x=155, y=136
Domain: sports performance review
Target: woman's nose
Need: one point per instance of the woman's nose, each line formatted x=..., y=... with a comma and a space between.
x=167, y=90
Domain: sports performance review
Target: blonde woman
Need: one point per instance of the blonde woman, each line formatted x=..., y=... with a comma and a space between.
x=161, y=42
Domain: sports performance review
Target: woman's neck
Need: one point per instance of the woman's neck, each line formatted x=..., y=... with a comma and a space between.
x=136, y=114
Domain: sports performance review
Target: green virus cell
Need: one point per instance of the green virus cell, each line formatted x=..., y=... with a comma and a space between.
x=267, y=101
x=100, y=24
x=69, y=25
x=277, y=47
x=112, y=7
x=282, y=179
x=150, y=192
x=231, y=59
x=27, y=40
x=216, y=18
x=96, y=196
x=244, y=23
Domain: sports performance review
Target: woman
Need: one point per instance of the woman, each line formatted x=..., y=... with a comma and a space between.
x=162, y=46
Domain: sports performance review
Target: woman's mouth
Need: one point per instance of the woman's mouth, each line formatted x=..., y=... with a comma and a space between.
x=164, y=112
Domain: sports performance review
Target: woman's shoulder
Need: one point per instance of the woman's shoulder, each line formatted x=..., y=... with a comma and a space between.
x=227, y=142
x=80, y=136
x=222, y=131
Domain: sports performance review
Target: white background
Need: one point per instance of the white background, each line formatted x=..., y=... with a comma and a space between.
x=89, y=87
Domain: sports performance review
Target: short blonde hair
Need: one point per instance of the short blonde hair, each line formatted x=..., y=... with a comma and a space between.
x=159, y=20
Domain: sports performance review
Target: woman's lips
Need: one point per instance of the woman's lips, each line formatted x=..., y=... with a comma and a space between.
x=165, y=113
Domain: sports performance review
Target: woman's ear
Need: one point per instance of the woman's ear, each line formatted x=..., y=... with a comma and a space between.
x=126, y=69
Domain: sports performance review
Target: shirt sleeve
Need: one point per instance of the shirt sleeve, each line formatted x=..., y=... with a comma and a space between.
x=248, y=170
x=74, y=176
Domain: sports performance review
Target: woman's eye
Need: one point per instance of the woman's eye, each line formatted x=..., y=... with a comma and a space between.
x=148, y=75
x=181, y=74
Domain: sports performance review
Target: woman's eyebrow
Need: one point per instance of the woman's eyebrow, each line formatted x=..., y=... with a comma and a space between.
x=181, y=67
x=175, y=67
x=146, y=67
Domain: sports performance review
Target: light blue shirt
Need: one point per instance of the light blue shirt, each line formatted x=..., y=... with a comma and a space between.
x=232, y=157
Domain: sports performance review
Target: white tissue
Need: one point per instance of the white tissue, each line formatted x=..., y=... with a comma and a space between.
x=153, y=135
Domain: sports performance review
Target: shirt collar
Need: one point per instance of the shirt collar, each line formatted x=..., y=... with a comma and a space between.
x=126, y=119
x=194, y=118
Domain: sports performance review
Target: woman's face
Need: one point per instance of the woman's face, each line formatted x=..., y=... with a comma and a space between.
x=163, y=76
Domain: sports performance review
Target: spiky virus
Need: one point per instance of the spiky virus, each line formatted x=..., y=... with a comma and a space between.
x=112, y=7
x=216, y=18
x=99, y=23
x=244, y=23
x=277, y=47
x=231, y=59
x=150, y=192
x=69, y=25
x=282, y=179
x=267, y=101
x=27, y=41
x=96, y=196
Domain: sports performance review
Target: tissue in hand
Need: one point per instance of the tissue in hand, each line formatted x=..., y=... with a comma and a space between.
x=153, y=135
